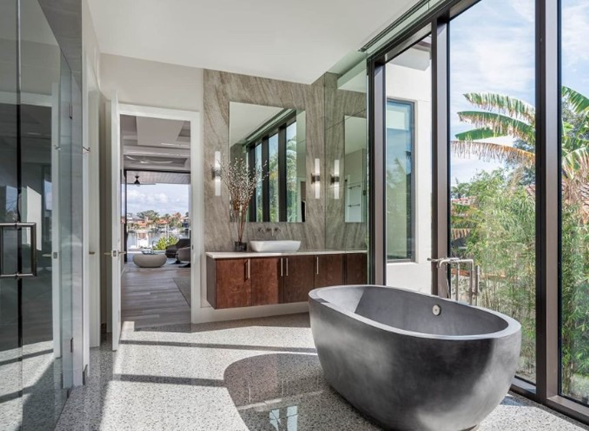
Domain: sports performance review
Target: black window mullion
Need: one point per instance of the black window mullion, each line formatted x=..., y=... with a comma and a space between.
x=282, y=186
x=266, y=182
x=251, y=157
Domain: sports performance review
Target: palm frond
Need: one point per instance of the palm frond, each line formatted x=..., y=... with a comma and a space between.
x=476, y=134
x=500, y=124
x=576, y=100
x=575, y=165
x=489, y=151
x=502, y=104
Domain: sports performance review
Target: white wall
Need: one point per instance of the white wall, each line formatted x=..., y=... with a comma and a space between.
x=148, y=83
x=409, y=79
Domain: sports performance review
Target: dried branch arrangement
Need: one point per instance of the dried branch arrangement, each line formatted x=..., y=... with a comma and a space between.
x=241, y=182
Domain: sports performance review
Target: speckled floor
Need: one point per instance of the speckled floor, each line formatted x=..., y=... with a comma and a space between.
x=259, y=374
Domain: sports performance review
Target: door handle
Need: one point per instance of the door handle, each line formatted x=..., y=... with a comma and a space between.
x=281, y=267
x=317, y=262
x=287, y=266
x=248, y=271
x=33, y=248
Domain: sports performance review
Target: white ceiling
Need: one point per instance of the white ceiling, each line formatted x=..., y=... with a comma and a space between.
x=154, y=143
x=291, y=40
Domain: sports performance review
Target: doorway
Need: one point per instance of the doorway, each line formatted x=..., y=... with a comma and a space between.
x=156, y=161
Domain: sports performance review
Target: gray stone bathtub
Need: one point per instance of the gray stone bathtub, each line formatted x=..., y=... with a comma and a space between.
x=413, y=361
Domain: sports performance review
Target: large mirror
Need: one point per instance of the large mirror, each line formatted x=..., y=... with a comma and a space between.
x=355, y=175
x=273, y=139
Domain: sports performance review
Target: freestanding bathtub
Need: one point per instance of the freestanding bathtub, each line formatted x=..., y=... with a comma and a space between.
x=413, y=361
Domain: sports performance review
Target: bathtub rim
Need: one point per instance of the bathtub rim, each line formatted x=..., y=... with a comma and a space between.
x=513, y=326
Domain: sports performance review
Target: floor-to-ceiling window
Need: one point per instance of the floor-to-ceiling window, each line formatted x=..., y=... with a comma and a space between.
x=574, y=219
x=492, y=173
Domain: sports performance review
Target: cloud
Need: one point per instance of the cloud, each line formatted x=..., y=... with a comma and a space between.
x=575, y=32
x=163, y=198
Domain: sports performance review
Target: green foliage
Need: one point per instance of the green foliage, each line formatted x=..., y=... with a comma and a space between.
x=164, y=242
x=496, y=224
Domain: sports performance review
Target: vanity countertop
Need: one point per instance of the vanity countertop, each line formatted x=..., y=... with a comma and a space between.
x=252, y=254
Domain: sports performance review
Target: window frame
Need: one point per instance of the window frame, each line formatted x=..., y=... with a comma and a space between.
x=411, y=223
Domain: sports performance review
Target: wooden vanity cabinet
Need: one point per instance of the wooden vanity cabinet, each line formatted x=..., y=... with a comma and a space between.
x=229, y=283
x=266, y=280
x=299, y=278
x=233, y=283
x=329, y=270
x=356, y=268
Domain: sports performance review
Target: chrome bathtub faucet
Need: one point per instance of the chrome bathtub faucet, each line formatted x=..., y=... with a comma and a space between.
x=473, y=290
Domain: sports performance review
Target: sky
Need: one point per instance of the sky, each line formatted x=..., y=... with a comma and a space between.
x=163, y=198
x=492, y=48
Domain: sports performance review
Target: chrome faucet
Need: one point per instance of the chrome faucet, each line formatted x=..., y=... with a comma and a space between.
x=473, y=288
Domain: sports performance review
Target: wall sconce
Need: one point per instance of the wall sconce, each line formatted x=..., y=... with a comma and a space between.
x=217, y=173
x=335, y=179
x=316, y=179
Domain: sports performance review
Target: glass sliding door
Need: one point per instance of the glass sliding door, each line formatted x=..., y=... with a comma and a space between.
x=574, y=149
x=36, y=367
x=492, y=163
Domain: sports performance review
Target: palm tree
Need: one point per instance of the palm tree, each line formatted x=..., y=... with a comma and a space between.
x=501, y=116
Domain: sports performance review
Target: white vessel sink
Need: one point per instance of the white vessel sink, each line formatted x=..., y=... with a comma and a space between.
x=275, y=246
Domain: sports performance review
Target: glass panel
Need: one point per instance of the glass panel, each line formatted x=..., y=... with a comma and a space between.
x=10, y=351
x=492, y=116
x=408, y=151
x=46, y=185
x=400, y=131
x=575, y=201
x=273, y=178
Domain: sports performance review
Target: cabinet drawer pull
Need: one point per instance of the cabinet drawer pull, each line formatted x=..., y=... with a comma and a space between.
x=281, y=267
x=249, y=274
x=317, y=260
x=287, y=266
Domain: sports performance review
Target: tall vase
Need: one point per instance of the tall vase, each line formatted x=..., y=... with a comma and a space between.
x=238, y=218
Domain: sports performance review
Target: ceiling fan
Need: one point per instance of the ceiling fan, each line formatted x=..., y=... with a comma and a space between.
x=146, y=161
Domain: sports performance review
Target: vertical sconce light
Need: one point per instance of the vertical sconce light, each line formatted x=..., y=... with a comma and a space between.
x=335, y=179
x=217, y=173
x=316, y=179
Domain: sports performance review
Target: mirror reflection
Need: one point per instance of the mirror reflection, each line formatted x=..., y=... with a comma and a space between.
x=273, y=139
x=355, y=174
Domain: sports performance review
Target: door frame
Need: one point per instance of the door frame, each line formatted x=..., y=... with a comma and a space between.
x=196, y=190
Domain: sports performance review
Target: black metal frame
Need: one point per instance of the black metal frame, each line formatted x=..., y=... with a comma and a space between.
x=263, y=141
x=547, y=389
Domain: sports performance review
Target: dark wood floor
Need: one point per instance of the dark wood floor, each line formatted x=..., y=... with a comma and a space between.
x=150, y=297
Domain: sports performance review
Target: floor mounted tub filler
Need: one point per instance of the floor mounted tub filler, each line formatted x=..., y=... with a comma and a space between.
x=413, y=361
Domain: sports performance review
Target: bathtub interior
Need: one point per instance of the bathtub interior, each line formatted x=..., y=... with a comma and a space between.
x=414, y=312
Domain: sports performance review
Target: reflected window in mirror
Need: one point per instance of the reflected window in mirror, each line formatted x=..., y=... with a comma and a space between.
x=272, y=139
x=355, y=169
x=399, y=179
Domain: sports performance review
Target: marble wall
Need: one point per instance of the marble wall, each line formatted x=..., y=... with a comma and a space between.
x=220, y=88
x=326, y=107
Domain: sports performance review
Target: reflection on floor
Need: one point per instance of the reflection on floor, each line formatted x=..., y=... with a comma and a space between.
x=151, y=297
x=259, y=374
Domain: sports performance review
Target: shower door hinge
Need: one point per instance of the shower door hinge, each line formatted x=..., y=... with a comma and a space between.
x=71, y=111
x=71, y=345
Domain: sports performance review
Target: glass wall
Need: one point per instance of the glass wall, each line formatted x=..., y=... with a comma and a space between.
x=492, y=117
x=574, y=149
x=39, y=227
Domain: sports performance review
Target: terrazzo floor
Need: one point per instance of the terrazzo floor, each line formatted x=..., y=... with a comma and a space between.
x=259, y=374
